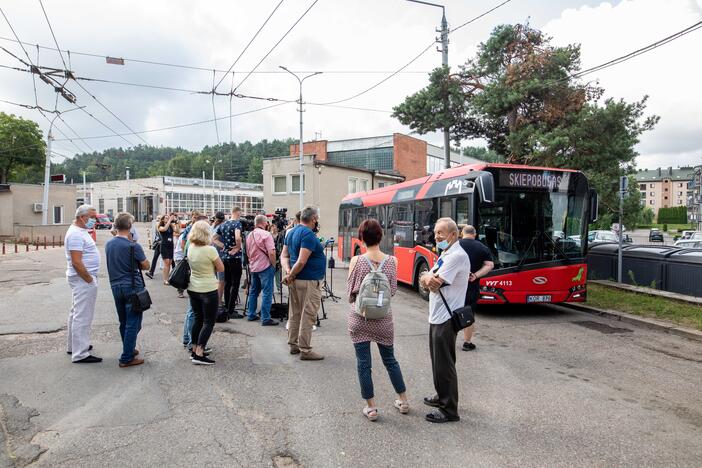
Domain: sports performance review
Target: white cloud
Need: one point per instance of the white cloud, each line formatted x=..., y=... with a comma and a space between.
x=669, y=75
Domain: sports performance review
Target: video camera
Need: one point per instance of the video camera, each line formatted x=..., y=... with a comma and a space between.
x=280, y=219
x=247, y=223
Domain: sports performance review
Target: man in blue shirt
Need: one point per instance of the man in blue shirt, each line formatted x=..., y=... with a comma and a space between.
x=126, y=281
x=303, y=262
x=228, y=238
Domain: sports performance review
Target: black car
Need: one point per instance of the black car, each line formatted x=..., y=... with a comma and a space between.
x=655, y=236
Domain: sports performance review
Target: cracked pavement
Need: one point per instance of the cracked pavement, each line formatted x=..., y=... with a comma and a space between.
x=542, y=389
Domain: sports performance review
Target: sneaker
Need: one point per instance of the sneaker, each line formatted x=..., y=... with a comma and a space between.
x=193, y=355
x=294, y=350
x=202, y=361
x=253, y=319
x=133, y=362
x=311, y=356
x=468, y=346
x=149, y=275
x=236, y=315
x=269, y=323
x=90, y=359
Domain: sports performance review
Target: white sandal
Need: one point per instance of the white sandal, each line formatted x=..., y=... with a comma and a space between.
x=402, y=406
x=370, y=413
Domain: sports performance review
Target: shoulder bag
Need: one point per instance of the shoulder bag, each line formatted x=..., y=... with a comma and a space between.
x=141, y=300
x=180, y=274
x=462, y=317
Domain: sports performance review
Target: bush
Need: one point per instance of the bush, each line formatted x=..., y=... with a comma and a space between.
x=665, y=228
x=676, y=215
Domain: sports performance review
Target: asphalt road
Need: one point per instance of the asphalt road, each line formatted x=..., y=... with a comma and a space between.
x=546, y=387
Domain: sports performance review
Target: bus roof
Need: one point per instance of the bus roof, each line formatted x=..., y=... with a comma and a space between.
x=385, y=194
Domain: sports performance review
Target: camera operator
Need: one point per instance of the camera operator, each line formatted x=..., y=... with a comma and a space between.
x=260, y=250
x=295, y=223
x=229, y=235
x=304, y=280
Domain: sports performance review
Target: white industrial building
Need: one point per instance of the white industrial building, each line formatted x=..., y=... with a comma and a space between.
x=148, y=197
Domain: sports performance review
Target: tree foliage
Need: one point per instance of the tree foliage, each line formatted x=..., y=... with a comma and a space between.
x=242, y=162
x=22, y=148
x=483, y=154
x=674, y=215
x=519, y=94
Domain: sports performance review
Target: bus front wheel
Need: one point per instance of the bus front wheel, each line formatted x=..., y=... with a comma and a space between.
x=423, y=292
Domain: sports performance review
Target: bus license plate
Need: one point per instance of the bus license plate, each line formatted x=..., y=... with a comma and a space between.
x=531, y=299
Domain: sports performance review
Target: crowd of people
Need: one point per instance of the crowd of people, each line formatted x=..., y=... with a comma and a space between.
x=217, y=251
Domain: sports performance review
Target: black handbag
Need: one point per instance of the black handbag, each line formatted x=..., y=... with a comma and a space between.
x=462, y=317
x=141, y=300
x=180, y=275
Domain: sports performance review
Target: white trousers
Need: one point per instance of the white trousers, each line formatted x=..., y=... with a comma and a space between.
x=84, y=297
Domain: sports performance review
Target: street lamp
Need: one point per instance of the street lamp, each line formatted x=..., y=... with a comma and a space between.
x=444, y=61
x=302, y=173
x=213, y=184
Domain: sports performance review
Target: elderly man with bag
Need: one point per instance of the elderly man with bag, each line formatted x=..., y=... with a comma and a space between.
x=260, y=249
x=125, y=259
x=448, y=283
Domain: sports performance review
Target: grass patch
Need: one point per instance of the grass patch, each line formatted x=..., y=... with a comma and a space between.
x=673, y=228
x=681, y=313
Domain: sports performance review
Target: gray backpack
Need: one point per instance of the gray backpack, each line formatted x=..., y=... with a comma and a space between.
x=373, y=298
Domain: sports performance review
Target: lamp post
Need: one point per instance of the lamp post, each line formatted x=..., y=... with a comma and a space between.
x=301, y=170
x=444, y=61
x=213, y=182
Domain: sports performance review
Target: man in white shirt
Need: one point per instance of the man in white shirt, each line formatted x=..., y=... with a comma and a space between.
x=450, y=276
x=82, y=266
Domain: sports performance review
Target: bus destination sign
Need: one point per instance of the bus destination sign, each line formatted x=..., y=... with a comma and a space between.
x=535, y=180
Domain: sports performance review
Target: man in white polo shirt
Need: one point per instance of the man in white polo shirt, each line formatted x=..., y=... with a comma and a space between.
x=450, y=275
x=83, y=264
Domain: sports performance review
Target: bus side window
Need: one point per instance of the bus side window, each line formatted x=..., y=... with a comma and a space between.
x=446, y=208
x=462, y=214
x=401, y=220
x=426, y=212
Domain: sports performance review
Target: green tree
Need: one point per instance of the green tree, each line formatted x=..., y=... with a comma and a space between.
x=256, y=170
x=483, y=154
x=22, y=148
x=519, y=94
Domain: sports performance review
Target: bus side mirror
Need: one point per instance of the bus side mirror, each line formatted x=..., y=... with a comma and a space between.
x=485, y=184
x=594, y=205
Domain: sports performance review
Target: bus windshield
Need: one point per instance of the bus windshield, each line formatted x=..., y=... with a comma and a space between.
x=531, y=227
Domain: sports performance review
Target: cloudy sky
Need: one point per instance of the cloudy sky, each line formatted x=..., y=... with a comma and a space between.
x=355, y=44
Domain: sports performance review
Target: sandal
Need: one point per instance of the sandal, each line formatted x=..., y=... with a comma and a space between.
x=402, y=406
x=370, y=413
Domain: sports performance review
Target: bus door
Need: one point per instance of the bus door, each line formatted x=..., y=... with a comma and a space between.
x=345, y=232
x=401, y=229
x=386, y=245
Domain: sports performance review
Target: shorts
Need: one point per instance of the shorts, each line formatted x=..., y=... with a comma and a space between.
x=220, y=276
x=167, y=251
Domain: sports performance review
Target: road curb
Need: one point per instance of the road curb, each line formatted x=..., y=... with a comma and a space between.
x=654, y=324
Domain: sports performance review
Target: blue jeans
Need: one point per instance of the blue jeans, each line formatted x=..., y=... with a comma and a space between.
x=129, y=321
x=364, y=364
x=263, y=280
x=188, y=325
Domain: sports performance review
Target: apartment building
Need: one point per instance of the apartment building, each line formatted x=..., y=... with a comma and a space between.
x=665, y=188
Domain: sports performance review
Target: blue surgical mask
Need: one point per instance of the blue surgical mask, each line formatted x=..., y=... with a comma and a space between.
x=90, y=223
x=443, y=245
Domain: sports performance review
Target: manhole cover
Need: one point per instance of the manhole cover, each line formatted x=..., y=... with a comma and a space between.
x=602, y=327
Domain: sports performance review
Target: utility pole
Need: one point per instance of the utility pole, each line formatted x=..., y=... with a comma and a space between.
x=47, y=177
x=444, y=31
x=204, y=194
x=623, y=186
x=85, y=191
x=301, y=170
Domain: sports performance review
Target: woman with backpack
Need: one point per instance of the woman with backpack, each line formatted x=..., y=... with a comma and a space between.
x=372, y=281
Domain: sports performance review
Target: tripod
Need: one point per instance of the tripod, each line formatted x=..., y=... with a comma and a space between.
x=328, y=287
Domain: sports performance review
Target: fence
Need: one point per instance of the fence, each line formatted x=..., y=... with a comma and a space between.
x=666, y=268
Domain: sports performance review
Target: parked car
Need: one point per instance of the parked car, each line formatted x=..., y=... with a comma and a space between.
x=655, y=235
x=597, y=237
x=686, y=234
x=695, y=235
x=689, y=244
x=103, y=222
x=627, y=239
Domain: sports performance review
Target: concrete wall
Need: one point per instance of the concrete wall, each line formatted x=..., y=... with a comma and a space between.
x=16, y=205
x=32, y=233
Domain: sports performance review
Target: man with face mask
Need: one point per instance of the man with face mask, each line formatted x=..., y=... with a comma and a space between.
x=303, y=263
x=450, y=274
x=83, y=264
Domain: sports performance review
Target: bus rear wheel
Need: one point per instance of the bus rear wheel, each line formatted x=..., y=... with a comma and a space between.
x=423, y=292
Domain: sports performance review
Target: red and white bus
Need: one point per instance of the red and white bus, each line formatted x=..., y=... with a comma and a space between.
x=534, y=220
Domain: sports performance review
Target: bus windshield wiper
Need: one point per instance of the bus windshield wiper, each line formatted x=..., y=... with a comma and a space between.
x=558, y=247
x=537, y=234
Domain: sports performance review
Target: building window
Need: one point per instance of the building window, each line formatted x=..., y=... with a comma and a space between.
x=353, y=185
x=650, y=202
x=101, y=205
x=379, y=159
x=58, y=214
x=364, y=185
x=643, y=194
x=120, y=205
x=666, y=189
x=650, y=185
x=652, y=194
x=679, y=202
x=665, y=198
x=642, y=186
x=295, y=183
x=280, y=184
x=680, y=194
x=381, y=184
x=680, y=185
